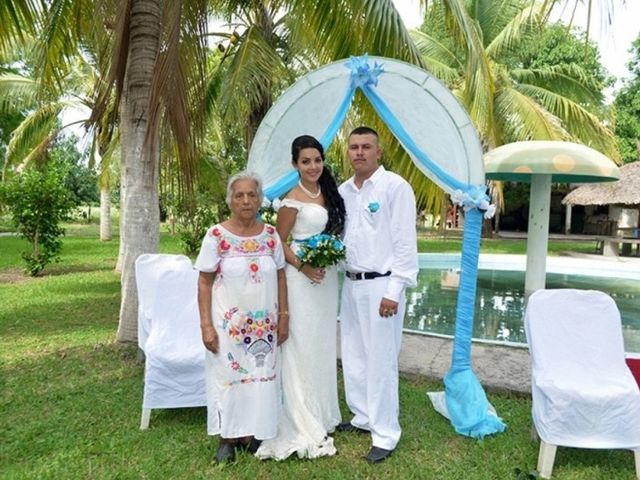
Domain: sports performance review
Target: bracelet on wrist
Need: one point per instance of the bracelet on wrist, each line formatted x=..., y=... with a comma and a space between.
x=284, y=312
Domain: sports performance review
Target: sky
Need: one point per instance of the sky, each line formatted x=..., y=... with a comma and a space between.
x=613, y=40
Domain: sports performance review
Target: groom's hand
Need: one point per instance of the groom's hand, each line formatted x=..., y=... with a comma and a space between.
x=388, y=308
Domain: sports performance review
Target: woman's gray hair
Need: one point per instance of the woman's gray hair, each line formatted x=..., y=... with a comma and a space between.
x=244, y=175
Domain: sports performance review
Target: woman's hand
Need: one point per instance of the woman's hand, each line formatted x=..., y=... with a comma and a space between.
x=316, y=275
x=283, y=327
x=210, y=339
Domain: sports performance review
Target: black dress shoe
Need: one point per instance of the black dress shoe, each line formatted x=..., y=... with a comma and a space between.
x=377, y=455
x=226, y=453
x=348, y=427
x=251, y=447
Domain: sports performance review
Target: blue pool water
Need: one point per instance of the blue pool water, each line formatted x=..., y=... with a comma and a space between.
x=431, y=306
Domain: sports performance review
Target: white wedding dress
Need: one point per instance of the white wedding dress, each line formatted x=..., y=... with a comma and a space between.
x=308, y=358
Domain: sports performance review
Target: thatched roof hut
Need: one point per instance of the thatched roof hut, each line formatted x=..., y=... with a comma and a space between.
x=624, y=192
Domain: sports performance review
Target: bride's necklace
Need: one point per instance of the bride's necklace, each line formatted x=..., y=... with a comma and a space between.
x=309, y=194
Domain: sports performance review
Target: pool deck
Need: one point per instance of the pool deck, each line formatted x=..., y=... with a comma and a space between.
x=499, y=367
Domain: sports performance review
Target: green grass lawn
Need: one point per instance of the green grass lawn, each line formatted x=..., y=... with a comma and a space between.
x=71, y=398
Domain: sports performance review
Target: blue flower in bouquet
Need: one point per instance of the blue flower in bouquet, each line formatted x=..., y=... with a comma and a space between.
x=321, y=250
x=314, y=241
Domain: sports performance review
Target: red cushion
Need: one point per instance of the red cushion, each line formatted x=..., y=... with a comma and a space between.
x=634, y=366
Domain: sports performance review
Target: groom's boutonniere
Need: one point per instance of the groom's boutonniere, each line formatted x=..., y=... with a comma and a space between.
x=373, y=207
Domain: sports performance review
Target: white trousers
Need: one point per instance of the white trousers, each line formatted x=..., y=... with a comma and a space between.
x=370, y=345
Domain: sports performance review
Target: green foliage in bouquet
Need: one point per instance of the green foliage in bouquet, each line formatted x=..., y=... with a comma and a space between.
x=321, y=251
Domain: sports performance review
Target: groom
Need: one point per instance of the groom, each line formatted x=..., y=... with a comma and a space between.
x=381, y=262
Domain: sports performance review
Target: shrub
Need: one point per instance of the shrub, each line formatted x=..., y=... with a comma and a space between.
x=38, y=203
x=193, y=215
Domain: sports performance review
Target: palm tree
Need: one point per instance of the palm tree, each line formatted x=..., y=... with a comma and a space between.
x=153, y=79
x=158, y=69
x=506, y=101
x=31, y=138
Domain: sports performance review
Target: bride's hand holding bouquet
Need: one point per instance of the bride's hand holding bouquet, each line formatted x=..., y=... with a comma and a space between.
x=318, y=252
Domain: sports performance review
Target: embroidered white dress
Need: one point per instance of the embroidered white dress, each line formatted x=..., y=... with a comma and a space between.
x=243, y=378
x=308, y=357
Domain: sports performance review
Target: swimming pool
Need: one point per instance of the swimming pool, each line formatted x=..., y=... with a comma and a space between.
x=431, y=306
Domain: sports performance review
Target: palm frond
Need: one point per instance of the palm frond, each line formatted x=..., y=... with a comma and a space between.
x=252, y=73
x=17, y=91
x=512, y=34
x=439, y=60
x=570, y=81
x=583, y=125
x=59, y=41
x=117, y=63
x=30, y=139
x=109, y=161
x=522, y=118
x=336, y=29
x=479, y=89
x=174, y=86
x=19, y=19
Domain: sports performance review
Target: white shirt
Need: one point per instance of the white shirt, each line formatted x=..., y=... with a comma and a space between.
x=380, y=232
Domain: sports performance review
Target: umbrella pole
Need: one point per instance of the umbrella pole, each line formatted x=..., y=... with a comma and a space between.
x=538, y=233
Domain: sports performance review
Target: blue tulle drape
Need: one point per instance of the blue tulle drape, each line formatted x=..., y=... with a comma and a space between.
x=466, y=401
x=468, y=407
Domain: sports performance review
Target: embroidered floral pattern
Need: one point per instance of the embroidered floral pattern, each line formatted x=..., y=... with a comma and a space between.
x=255, y=331
x=235, y=365
x=250, y=336
x=249, y=245
x=263, y=244
x=247, y=380
x=254, y=270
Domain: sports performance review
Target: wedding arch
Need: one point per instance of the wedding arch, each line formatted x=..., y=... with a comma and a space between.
x=442, y=142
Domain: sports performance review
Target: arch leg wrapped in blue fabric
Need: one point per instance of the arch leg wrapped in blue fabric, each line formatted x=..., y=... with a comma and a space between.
x=467, y=404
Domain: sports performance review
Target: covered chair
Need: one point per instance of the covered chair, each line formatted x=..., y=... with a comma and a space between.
x=148, y=267
x=175, y=355
x=584, y=395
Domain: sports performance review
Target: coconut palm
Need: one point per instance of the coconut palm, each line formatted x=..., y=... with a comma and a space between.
x=508, y=102
x=158, y=68
x=153, y=79
x=254, y=68
x=30, y=140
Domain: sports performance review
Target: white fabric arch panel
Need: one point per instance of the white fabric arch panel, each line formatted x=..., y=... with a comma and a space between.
x=426, y=109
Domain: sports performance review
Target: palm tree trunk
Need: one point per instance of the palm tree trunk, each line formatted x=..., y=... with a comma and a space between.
x=105, y=214
x=123, y=191
x=140, y=214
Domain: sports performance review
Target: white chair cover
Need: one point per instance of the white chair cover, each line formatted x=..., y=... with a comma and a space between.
x=149, y=266
x=175, y=355
x=584, y=395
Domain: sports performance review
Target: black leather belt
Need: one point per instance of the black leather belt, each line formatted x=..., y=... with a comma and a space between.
x=365, y=275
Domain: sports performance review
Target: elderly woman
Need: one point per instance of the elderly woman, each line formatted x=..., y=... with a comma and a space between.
x=242, y=298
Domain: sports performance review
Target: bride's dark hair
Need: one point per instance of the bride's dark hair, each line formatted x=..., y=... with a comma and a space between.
x=332, y=199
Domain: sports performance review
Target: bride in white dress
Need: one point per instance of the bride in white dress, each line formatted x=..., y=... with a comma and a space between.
x=308, y=358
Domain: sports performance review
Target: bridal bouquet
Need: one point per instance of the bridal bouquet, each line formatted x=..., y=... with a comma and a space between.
x=321, y=250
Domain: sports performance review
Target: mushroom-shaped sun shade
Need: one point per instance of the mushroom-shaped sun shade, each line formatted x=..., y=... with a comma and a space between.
x=543, y=162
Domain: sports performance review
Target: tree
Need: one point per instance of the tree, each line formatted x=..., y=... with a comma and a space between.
x=159, y=69
x=80, y=180
x=627, y=105
x=153, y=81
x=499, y=59
x=510, y=93
x=38, y=202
